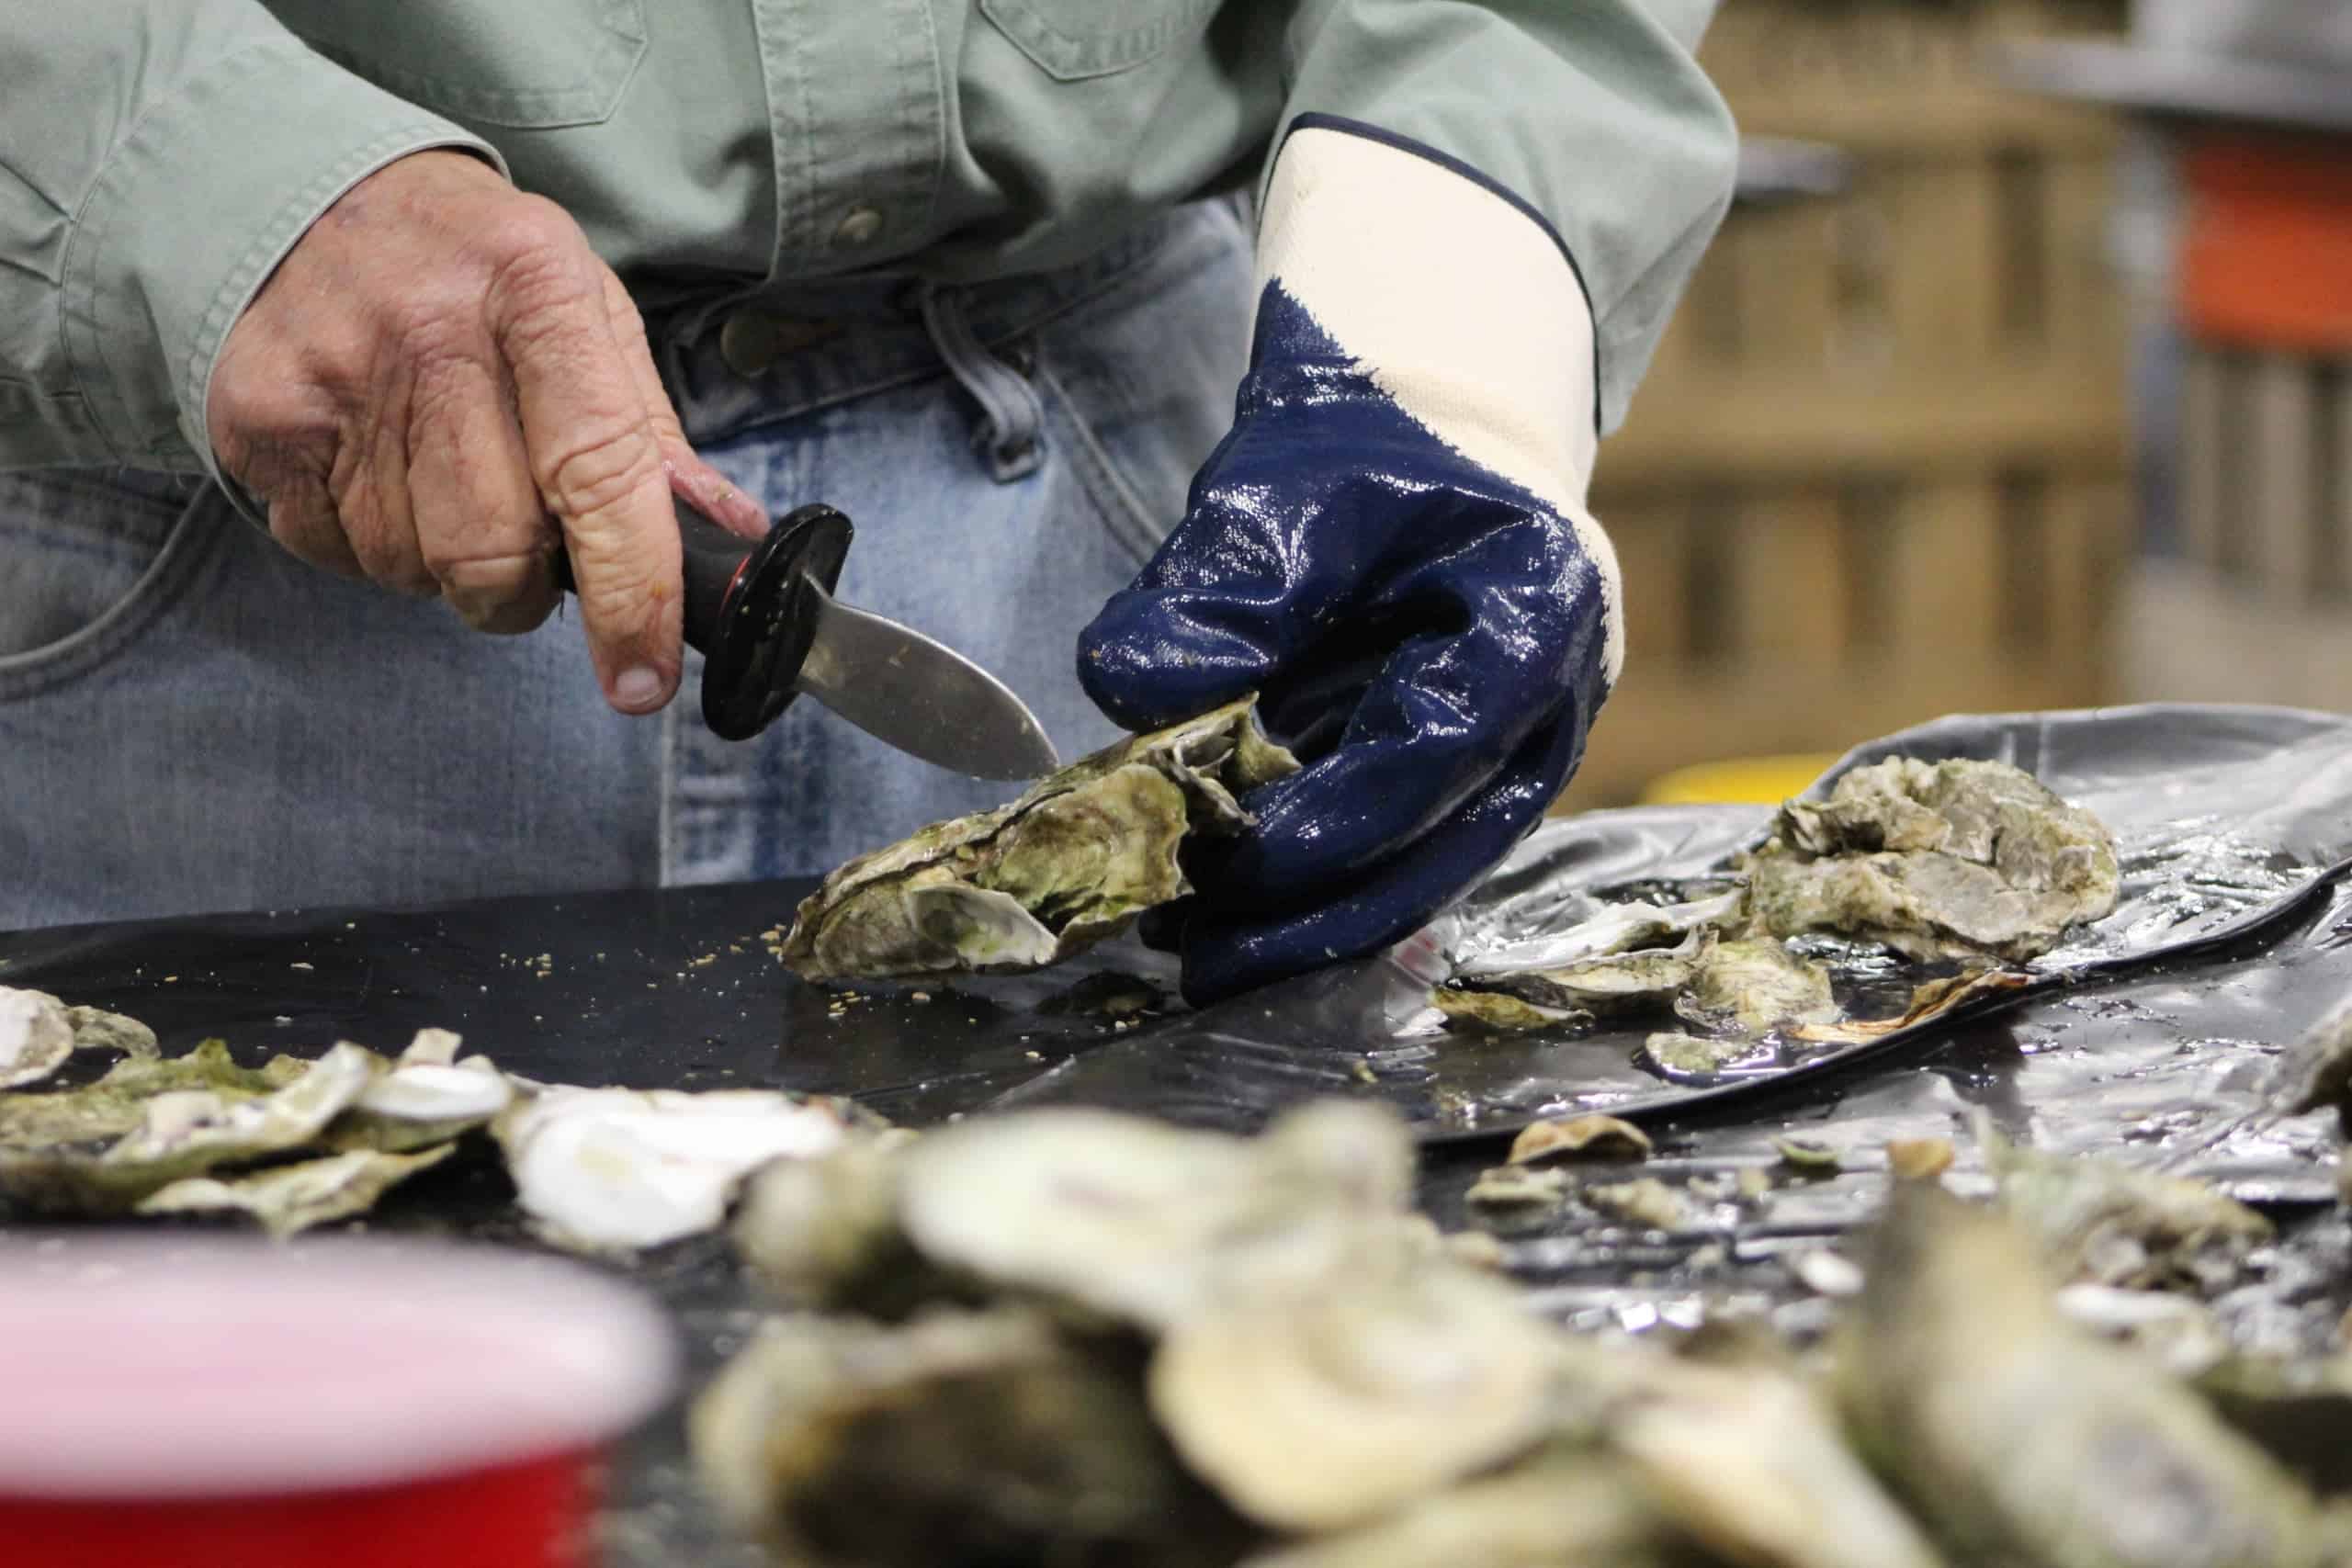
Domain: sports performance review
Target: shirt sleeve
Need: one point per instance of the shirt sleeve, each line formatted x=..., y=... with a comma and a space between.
x=1592, y=112
x=157, y=159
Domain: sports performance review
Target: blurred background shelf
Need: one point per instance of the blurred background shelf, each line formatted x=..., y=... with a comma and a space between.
x=1879, y=470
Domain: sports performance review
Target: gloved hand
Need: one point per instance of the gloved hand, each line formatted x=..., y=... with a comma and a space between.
x=1392, y=549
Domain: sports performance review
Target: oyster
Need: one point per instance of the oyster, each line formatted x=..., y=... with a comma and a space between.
x=1942, y=860
x=1149, y=1224
x=1599, y=1137
x=1676, y=1056
x=824, y=1232
x=38, y=1031
x=1518, y=1187
x=1618, y=982
x=236, y=1116
x=1928, y=1001
x=1747, y=1461
x=424, y=1097
x=2102, y=1222
x=1918, y=1159
x=1755, y=984
x=1497, y=1012
x=1069, y=863
x=2316, y=1071
x=290, y=1197
x=618, y=1169
x=1566, y=1507
x=977, y=1438
x=1316, y=1410
x=2021, y=1439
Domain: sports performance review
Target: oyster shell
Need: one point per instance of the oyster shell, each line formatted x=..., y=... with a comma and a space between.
x=161, y=1131
x=824, y=1232
x=1149, y=1224
x=1320, y=1409
x=2316, y=1070
x=620, y=1170
x=286, y=1198
x=2102, y=1222
x=1754, y=985
x=1518, y=1187
x=424, y=1097
x=1647, y=1202
x=1748, y=1463
x=1601, y=1137
x=1676, y=1056
x=1565, y=1509
x=1941, y=860
x=1069, y=863
x=1497, y=1012
x=980, y=1439
x=2021, y=1439
x=1602, y=987
x=39, y=1032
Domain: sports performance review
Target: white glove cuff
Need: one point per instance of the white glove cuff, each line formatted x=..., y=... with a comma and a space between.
x=1456, y=299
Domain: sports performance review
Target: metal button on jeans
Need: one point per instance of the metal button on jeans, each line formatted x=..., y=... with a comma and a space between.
x=861, y=225
x=750, y=341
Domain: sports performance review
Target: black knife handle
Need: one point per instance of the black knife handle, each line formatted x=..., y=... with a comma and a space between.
x=751, y=608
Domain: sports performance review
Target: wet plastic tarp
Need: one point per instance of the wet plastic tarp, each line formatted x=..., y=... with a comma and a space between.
x=2234, y=826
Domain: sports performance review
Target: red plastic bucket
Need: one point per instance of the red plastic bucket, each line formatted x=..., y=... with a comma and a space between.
x=168, y=1402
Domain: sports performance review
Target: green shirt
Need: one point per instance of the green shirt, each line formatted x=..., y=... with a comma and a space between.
x=158, y=157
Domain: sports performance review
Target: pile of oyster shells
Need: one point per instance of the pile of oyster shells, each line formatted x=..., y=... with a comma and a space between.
x=297, y=1143
x=1975, y=864
x=1066, y=1335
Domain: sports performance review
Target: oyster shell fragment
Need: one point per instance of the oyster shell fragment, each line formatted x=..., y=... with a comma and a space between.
x=619, y=1169
x=1937, y=860
x=39, y=1032
x=1069, y=863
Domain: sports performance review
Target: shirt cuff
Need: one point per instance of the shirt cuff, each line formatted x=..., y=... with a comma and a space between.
x=192, y=212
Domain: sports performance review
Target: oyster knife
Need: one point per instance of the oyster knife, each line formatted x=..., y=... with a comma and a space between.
x=765, y=617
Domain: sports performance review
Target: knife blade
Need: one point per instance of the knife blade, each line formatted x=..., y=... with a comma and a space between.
x=764, y=618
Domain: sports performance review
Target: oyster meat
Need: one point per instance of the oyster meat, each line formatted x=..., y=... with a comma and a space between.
x=1069, y=863
x=286, y=1198
x=2019, y=1439
x=38, y=1031
x=1937, y=860
x=960, y=1438
x=619, y=1169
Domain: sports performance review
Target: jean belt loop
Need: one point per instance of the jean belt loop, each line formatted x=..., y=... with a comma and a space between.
x=1012, y=419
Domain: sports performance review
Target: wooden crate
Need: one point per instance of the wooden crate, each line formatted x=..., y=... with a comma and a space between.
x=1876, y=473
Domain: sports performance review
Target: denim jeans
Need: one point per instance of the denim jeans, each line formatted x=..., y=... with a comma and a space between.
x=192, y=721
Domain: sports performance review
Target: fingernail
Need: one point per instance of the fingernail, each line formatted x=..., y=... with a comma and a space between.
x=638, y=689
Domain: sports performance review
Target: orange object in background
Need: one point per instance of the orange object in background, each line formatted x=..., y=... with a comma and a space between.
x=2266, y=257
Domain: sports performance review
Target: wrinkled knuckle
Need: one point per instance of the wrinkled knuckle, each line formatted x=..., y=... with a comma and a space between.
x=589, y=479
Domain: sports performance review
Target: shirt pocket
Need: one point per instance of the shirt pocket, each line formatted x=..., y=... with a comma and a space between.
x=532, y=64
x=1073, y=40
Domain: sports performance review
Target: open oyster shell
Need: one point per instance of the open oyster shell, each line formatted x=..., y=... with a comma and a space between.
x=1755, y=984
x=424, y=1097
x=148, y=1123
x=1069, y=863
x=2020, y=1439
x=39, y=1032
x=1608, y=985
x=1315, y=1410
x=823, y=1233
x=960, y=1438
x=1147, y=1223
x=1941, y=860
x=287, y=1199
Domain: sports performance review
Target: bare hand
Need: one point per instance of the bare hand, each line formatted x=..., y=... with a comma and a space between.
x=440, y=385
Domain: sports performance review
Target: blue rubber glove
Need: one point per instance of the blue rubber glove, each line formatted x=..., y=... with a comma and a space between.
x=1392, y=549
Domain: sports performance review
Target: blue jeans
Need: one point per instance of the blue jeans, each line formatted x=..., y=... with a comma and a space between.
x=192, y=721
